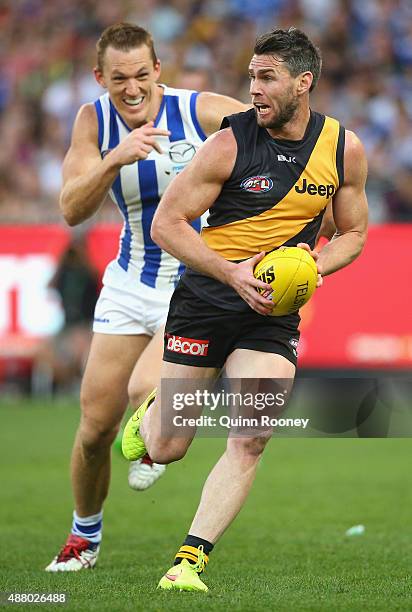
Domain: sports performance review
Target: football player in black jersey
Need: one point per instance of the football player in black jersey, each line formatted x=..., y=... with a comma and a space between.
x=267, y=179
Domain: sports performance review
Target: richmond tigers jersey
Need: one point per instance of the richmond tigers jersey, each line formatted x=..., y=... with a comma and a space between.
x=276, y=195
x=138, y=187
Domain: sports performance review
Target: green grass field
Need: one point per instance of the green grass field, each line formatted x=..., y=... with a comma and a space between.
x=286, y=551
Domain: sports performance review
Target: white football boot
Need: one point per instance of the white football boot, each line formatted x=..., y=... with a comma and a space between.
x=77, y=554
x=143, y=473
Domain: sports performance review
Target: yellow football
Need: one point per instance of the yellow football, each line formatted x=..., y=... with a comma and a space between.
x=293, y=275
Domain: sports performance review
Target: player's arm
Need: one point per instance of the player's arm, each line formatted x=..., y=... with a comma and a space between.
x=188, y=196
x=211, y=108
x=87, y=177
x=350, y=211
x=328, y=228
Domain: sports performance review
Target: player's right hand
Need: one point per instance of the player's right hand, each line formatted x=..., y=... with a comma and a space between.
x=138, y=144
x=243, y=281
x=315, y=256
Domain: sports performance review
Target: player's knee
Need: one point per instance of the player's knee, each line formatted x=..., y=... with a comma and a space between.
x=165, y=450
x=96, y=432
x=138, y=391
x=95, y=436
x=247, y=448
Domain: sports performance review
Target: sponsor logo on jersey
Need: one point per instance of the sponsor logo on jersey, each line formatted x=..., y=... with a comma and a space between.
x=287, y=158
x=187, y=346
x=182, y=152
x=175, y=170
x=257, y=184
x=326, y=191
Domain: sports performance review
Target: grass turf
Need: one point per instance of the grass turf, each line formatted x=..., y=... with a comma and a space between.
x=286, y=551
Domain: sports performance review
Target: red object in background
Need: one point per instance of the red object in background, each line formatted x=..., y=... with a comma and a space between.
x=361, y=316
x=359, y=319
x=28, y=260
x=25, y=251
x=103, y=244
x=30, y=239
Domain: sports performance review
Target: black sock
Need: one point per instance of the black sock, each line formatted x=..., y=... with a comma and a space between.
x=189, y=550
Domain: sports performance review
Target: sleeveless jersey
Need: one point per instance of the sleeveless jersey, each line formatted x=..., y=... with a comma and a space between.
x=276, y=196
x=139, y=186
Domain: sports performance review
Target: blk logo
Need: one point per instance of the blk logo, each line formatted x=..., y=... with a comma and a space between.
x=287, y=158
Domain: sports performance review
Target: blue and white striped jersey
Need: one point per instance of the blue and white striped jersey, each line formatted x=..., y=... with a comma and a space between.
x=138, y=187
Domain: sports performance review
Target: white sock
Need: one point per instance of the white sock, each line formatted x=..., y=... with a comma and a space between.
x=89, y=527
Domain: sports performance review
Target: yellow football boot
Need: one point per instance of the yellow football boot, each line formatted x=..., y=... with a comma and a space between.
x=185, y=576
x=133, y=446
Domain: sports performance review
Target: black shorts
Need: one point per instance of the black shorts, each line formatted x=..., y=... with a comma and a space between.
x=201, y=334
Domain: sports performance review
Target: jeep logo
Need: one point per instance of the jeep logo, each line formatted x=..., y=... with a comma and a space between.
x=326, y=191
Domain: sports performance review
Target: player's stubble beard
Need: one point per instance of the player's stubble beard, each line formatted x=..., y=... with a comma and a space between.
x=287, y=110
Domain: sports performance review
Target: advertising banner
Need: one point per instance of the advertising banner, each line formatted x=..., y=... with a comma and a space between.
x=359, y=319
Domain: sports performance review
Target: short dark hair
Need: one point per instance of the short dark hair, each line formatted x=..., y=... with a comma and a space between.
x=294, y=48
x=124, y=36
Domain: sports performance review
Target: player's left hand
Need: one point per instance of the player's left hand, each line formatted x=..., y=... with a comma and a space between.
x=315, y=255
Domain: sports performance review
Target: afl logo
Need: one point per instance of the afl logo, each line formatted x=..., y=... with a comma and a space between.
x=182, y=152
x=257, y=184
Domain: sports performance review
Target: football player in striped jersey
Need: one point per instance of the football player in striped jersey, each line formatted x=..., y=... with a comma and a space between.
x=129, y=143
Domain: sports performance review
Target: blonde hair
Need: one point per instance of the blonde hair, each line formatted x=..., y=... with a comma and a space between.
x=123, y=36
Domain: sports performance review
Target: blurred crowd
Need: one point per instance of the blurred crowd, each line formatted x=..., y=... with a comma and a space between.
x=47, y=52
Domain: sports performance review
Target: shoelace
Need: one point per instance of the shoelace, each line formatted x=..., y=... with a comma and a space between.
x=72, y=548
x=201, y=561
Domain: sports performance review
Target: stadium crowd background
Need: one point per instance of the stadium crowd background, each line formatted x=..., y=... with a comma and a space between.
x=47, y=52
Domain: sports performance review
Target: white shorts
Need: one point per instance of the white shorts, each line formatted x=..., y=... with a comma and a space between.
x=127, y=306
